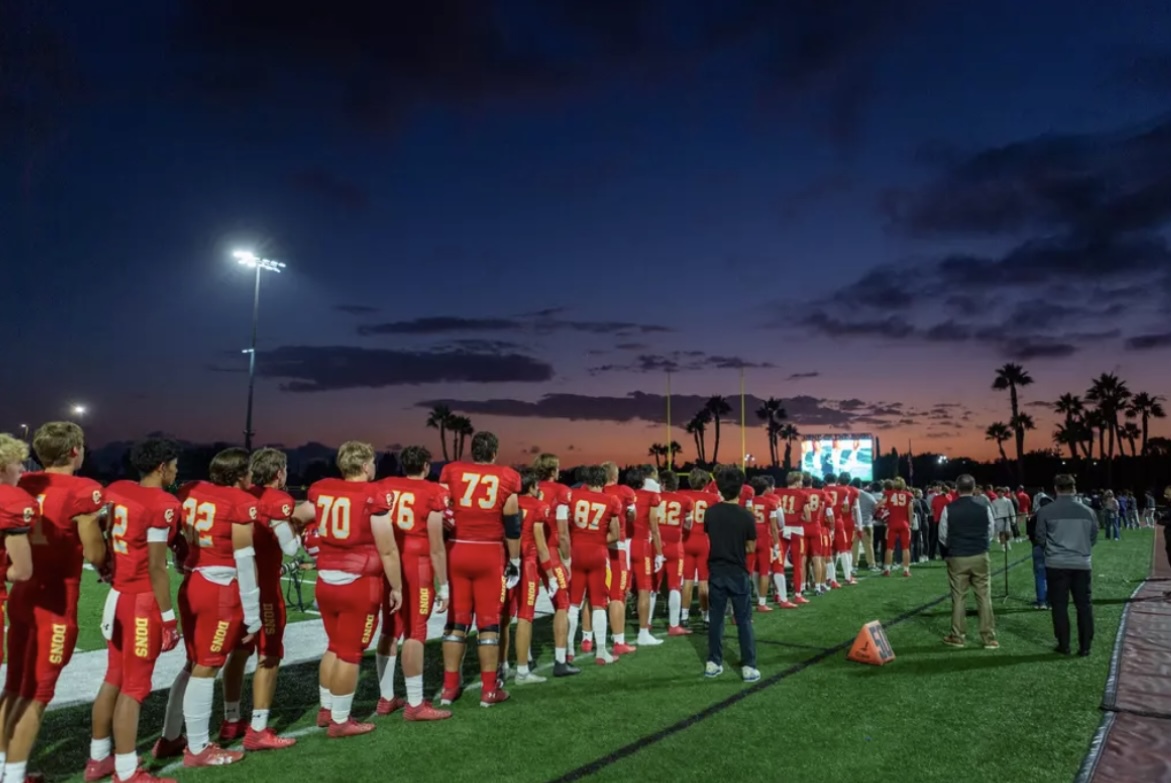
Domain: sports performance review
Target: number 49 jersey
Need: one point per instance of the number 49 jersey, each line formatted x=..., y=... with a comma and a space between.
x=345, y=539
x=478, y=495
x=209, y=511
x=135, y=512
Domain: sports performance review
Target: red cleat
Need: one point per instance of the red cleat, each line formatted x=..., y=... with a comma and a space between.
x=323, y=718
x=624, y=649
x=835, y=585
x=498, y=696
x=351, y=728
x=389, y=706
x=142, y=776
x=425, y=712
x=886, y=572
x=587, y=645
x=569, y=657
x=97, y=770
x=678, y=630
x=231, y=730
x=169, y=749
x=800, y=600
x=450, y=696
x=907, y=574
x=211, y=756
x=763, y=608
x=787, y=605
x=266, y=740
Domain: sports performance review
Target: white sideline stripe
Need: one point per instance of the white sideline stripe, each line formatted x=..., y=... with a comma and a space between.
x=304, y=641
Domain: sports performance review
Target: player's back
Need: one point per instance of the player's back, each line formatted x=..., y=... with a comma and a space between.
x=557, y=495
x=645, y=501
x=792, y=502
x=701, y=501
x=135, y=510
x=209, y=512
x=414, y=500
x=18, y=513
x=532, y=511
x=763, y=509
x=834, y=495
x=56, y=546
x=900, y=502
x=590, y=514
x=626, y=501
x=479, y=493
x=345, y=538
x=677, y=509
x=271, y=504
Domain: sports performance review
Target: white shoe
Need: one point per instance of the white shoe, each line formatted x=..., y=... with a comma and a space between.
x=712, y=670
x=532, y=678
x=748, y=673
x=604, y=657
x=645, y=640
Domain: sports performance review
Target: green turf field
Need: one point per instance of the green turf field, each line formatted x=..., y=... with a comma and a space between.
x=934, y=714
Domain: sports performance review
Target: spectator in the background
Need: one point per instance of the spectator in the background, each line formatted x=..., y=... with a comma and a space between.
x=1068, y=530
x=1040, y=583
x=880, y=517
x=865, y=542
x=1131, y=510
x=1149, y=508
x=938, y=502
x=966, y=529
x=1004, y=512
x=1110, y=515
x=1165, y=520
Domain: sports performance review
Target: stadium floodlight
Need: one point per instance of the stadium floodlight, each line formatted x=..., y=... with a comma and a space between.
x=250, y=259
x=78, y=410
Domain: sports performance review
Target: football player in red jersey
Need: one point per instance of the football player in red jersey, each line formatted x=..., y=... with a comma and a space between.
x=139, y=619
x=838, y=500
x=487, y=523
x=852, y=523
x=558, y=496
x=646, y=545
x=899, y=502
x=219, y=602
x=596, y=516
x=678, y=518
x=619, y=571
x=420, y=508
x=766, y=509
x=696, y=544
x=42, y=611
x=816, y=538
x=793, y=516
x=357, y=556
x=18, y=513
x=278, y=522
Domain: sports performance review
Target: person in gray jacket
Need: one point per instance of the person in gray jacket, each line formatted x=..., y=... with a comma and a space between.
x=1068, y=530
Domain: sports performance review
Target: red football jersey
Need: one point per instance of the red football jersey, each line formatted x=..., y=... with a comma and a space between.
x=899, y=502
x=818, y=505
x=938, y=504
x=677, y=509
x=414, y=500
x=209, y=511
x=56, y=547
x=590, y=514
x=135, y=510
x=747, y=493
x=701, y=501
x=640, y=526
x=18, y=512
x=271, y=504
x=478, y=495
x=532, y=511
x=626, y=500
x=557, y=496
x=763, y=508
x=792, y=502
x=1024, y=502
x=344, y=538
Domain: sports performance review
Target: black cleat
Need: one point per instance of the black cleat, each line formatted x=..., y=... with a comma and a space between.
x=565, y=670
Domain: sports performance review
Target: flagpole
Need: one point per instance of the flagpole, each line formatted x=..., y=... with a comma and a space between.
x=670, y=451
x=743, y=425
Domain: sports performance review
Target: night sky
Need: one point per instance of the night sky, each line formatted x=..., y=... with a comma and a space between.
x=531, y=210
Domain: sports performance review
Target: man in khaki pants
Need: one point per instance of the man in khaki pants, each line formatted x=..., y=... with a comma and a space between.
x=966, y=527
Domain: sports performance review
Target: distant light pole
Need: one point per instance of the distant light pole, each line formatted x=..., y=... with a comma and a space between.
x=248, y=258
x=24, y=432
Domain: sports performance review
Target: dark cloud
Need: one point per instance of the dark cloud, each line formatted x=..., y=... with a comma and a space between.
x=328, y=368
x=800, y=376
x=1148, y=342
x=543, y=322
x=355, y=309
x=630, y=346
x=495, y=347
x=332, y=189
x=802, y=410
x=679, y=361
x=892, y=327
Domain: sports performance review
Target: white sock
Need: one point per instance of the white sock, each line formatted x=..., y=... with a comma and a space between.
x=831, y=572
x=340, y=713
x=619, y=638
x=600, y=630
x=197, y=712
x=326, y=698
x=761, y=600
x=559, y=654
x=414, y=690
x=651, y=613
x=386, y=679
x=14, y=771
x=684, y=615
x=782, y=590
x=231, y=711
x=259, y=720
x=522, y=670
x=587, y=636
x=674, y=607
x=574, y=616
x=849, y=565
x=3, y=759
x=125, y=765
x=173, y=718
x=99, y=749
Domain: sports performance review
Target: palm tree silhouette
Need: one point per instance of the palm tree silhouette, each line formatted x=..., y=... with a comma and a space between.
x=1131, y=433
x=673, y=449
x=440, y=419
x=1071, y=407
x=697, y=428
x=772, y=414
x=1145, y=407
x=999, y=432
x=789, y=434
x=461, y=428
x=717, y=407
x=1013, y=377
x=1111, y=395
x=658, y=451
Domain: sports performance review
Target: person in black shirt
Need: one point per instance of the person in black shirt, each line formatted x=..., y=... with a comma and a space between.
x=732, y=533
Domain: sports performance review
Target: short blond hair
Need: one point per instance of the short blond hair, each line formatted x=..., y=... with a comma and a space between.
x=547, y=467
x=55, y=441
x=265, y=464
x=352, y=456
x=611, y=469
x=899, y=483
x=13, y=451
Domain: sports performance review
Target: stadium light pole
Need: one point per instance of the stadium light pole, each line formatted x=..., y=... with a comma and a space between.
x=24, y=432
x=248, y=258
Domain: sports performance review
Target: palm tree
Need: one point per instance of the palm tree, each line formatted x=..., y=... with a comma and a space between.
x=673, y=448
x=1145, y=407
x=717, y=407
x=1022, y=422
x=1067, y=435
x=697, y=428
x=461, y=427
x=1110, y=394
x=1012, y=377
x=789, y=434
x=1070, y=406
x=1159, y=447
x=1001, y=433
x=1131, y=434
x=772, y=414
x=658, y=451
x=440, y=419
